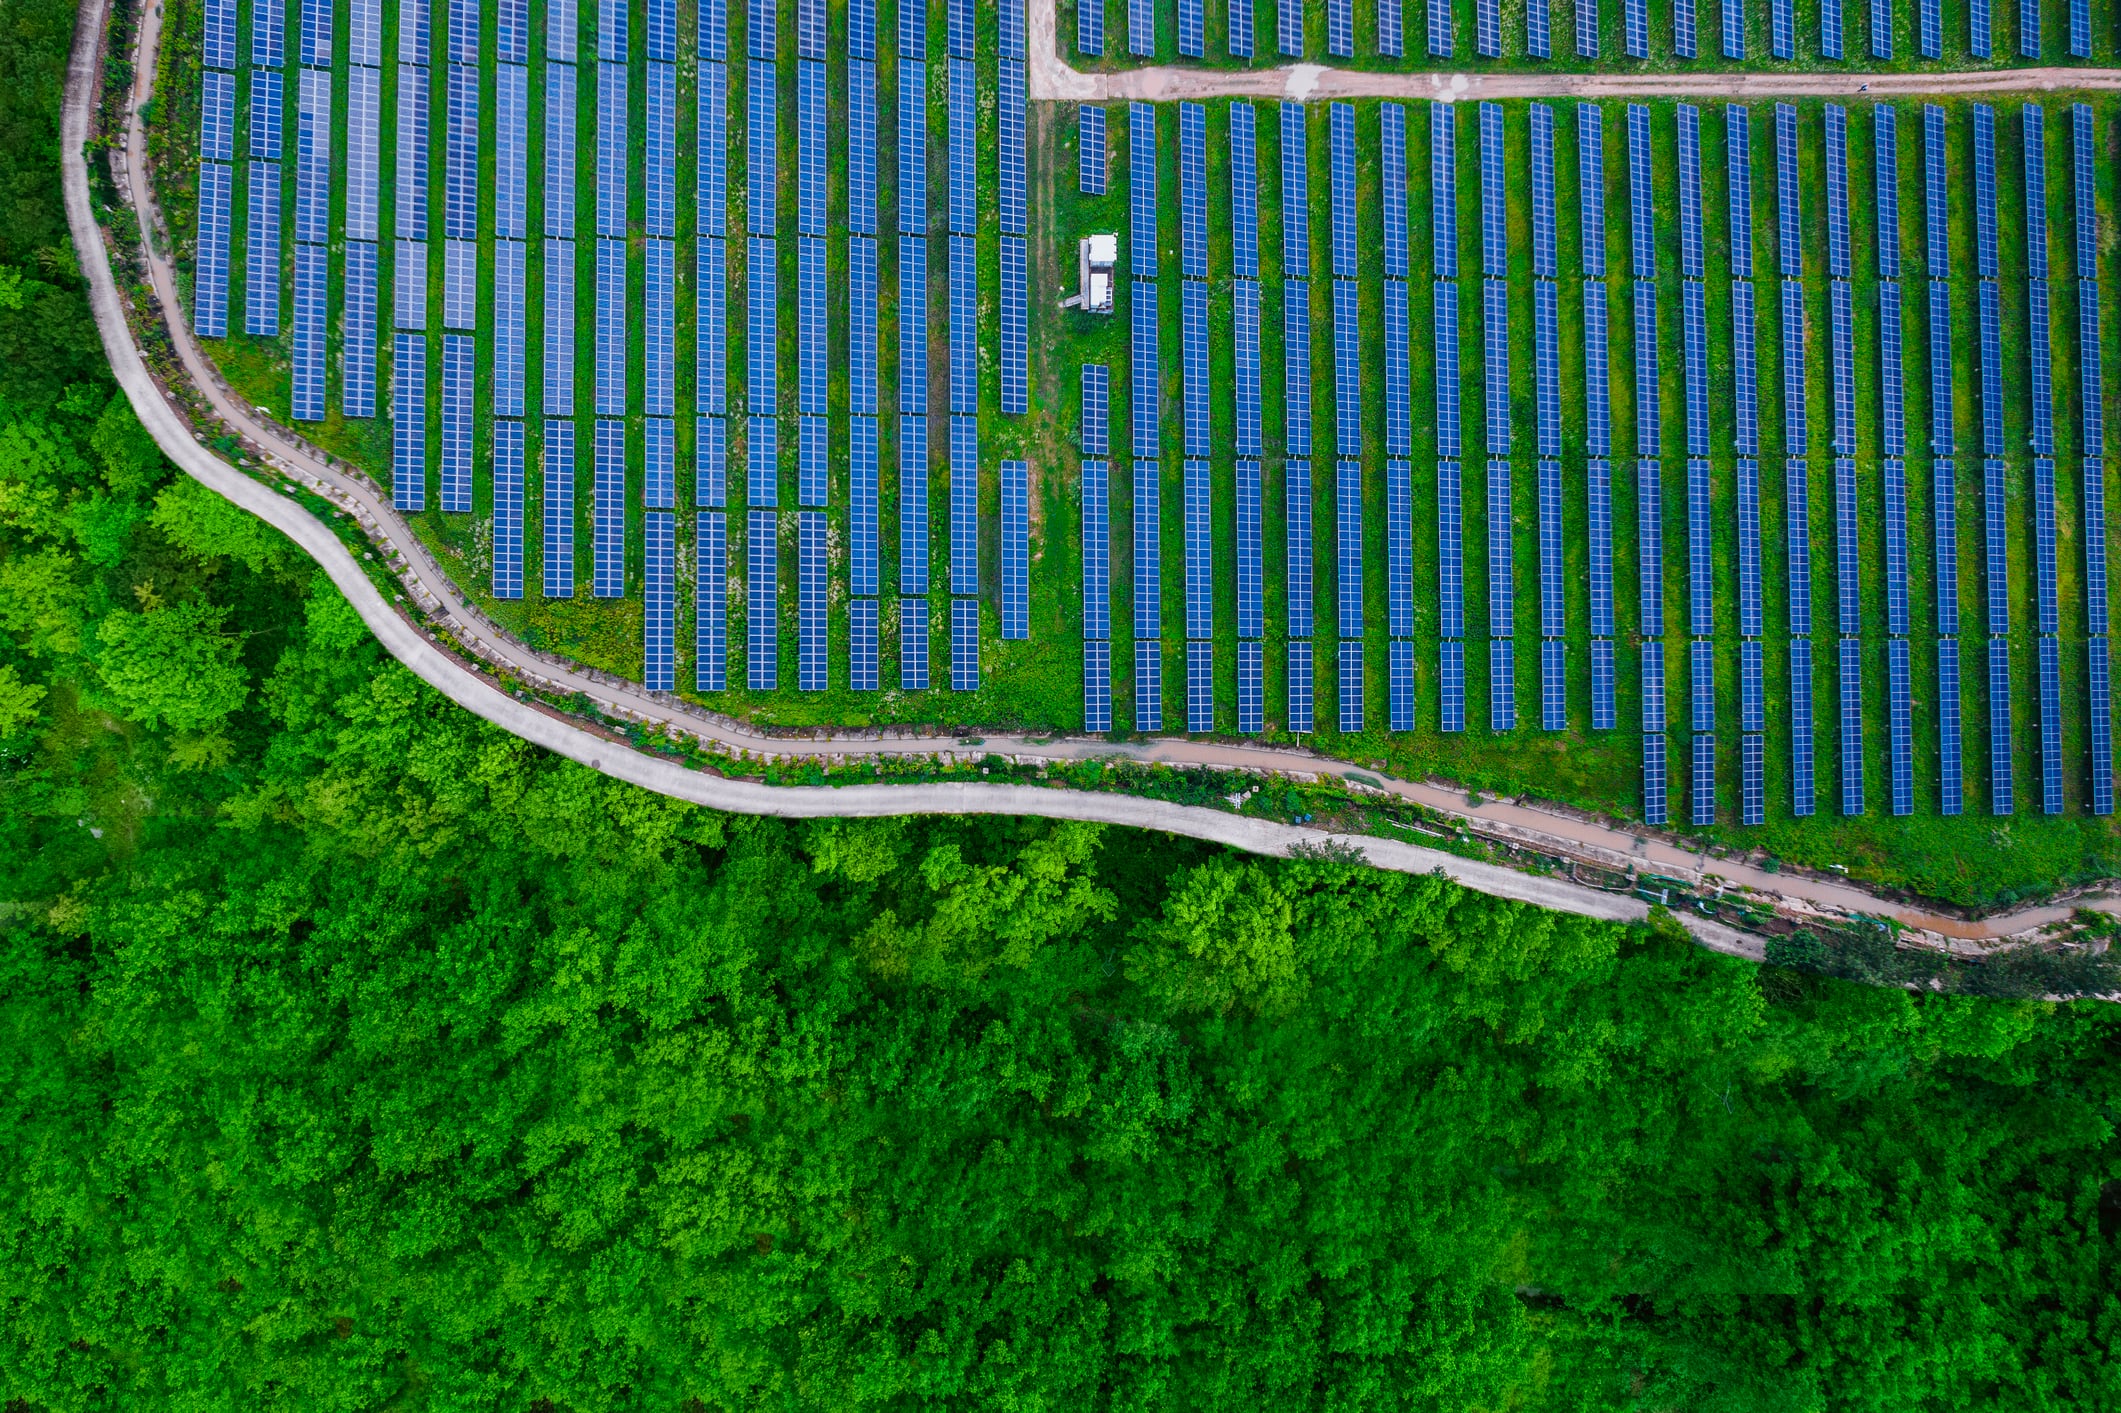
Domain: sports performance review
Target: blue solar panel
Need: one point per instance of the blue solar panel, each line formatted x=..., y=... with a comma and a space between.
x=1803, y=780
x=1193, y=304
x=761, y=146
x=210, y=268
x=1654, y=770
x=2084, y=190
x=1838, y=263
x=861, y=148
x=1641, y=194
x=913, y=644
x=309, y=328
x=1145, y=372
x=762, y=666
x=964, y=505
x=313, y=158
x=660, y=163
x=1097, y=680
x=1141, y=28
x=1446, y=346
x=1245, y=318
x=1399, y=550
x=1148, y=686
x=1443, y=191
x=659, y=329
x=1749, y=608
x=913, y=148
x=1648, y=390
x=268, y=32
x=812, y=672
x=457, y=352
x=913, y=505
x=1200, y=686
x=1683, y=28
x=1250, y=619
x=1945, y=532
x=261, y=280
x=1701, y=568
x=1495, y=363
x=1244, y=193
x=862, y=674
x=1788, y=211
x=659, y=602
x=2092, y=518
x=1745, y=382
x=357, y=376
x=1012, y=149
x=1340, y=28
x=266, y=100
x=1590, y=188
x=608, y=544
x=2050, y=665
x=1296, y=507
x=1752, y=691
x=1782, y=28
x=1090, y=145
x=1553, y=607
x=2099, y=725
x=812, y=326
x=1347, y=523
x=1296, y=366
x=1995, y=518
x=1737, y=143
x=316, y=37
x=1846, y=549
x=1842, y=326
x=1015, y=550
x=1342, y=134
x=1544, y=261
x=558, y=527
x=1734, y=29
x=1598, y=493
x=1690, y=261
x=1392, y=122
x=1400, y=673
x=1649, y=544
x=1586, y=27
x=1015, y=324
x=1851, y=682
x=813, y=455
x=1200, y=551
x=1693, y=307
x=1930, y=28
x=2035, y=155
x=1090, y=41
x=1295, y=194
x=1451, y=685
x=710, y=462
x=1891, y=393
x=2046, y=595
x=1299, y=686
x=1598, y=420
x=913, y=325
x=1494, y=229
x=1546, y=364
x=1141, y=188
x=1949, y=768
x=1940, y=360
x=1701, y=682
x=1797, y=538
x=1097, y=551
x=1985, y=192
x=408, y=428
x=2039, y=352
x=1350, y=687
x=1450, y=552
x=1241, y=47
x=963, y=121
x=762, y=461
x=1635, y=28
x=2001, y=787
x=217, y=117
x=1896, y=606
x=1441, y=38
x=1604, y=714
x=1795, y=436
x=1148, y=551
x=611, y=329
x=1347, y=371
x=1991, y=368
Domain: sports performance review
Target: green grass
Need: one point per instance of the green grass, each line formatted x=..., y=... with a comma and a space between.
x=1036, y=684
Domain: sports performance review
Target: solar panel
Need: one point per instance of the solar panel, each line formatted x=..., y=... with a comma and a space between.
x=913, y=504
x=1896, y=606
x=1940, y=360
x=2092, y=517
x=761, y=146
x=1648, y=390
x=1097, y=551
x=913, y=644
x=1141, y=188
x=1796, y=440
x=408, y=431
x=1296, y=366
x=862, y=491
x=1441, y=38
x=1690, y=262
x=1752, y=692
x=1446, y=343
x=1012, y=149
x=1597, y=405
x=2035, y=157
x=261, y=280
x=558, y=478
x=1141, y=29
x=1399, y=550
x=1635, y=28
x=861, y=332
x=1544, y=263
x=710, y=462
x=1553, y=606
x=912, y=148
x=659, y=602
x=762, y=461
x=1148, y=686
x=457, y=377
x=1683, y=28
x=1590, y=187
x=217, y=117
x=1891, y=394
x=1803, y=781
x=1015, y=551
x=1995, y=510
x=1012, y=29
x=1604, y=714
x=1837, y=193
x=1749, y=611
x=1694, y=318
x=963, y=143
x=1846, y=551
x=1851, y=682
x=1782, y=28
x=861, y=147
x=1945, y=533
x=1443, y=191
x=1340, y=28
x=313, y=158
x=762, y=26
x=1148, y=551
x=1450, y=552
x=1090, y=146
x=1200, y=687
x=2046, y=597
x=1296, y=546
x=813, y=447
x=1295, y=194
x=1494, y=232
x=1016, y=349
x=1145, y=372
x=1788, y=213
x=1245, y=319
x=316, y=34
x=1193, y=190
x=1193, y=305
x=2099, y=725
x=1191, y=24
x=1342, y=132
x=1991, y=369
x=659, y=329
x=1241, y=48
x=559, y=151
x=1949, y=768
x=1985, y=192
x=210, y=259
x=309, y=326
x=762, y=659
x=2084, y=190
x=1495, y=363
x=1350, y=687
x=1299, y=686
x=611, y=329
x=1641, y=193
x=1738, y=155
x=1930, y=28
x=1451, y=685
x=1586, y=27
x=1250, y=618
x=1244, y=192
x=1745, y=382
x=1097, y=679
x=811, y=671
x=508, y=326
x=2002, y=789
x=268, y=31
x=2039, y=352
x=862, y=674
x=1649, y=544
x=1797, y=541
x=1701, y=683
x=1400, y=670
x=964, y=506
x=761, y=374
x=1347, y=523
x=913, y=325
x=2050, y=665
x=1842, y=324
x=1200, y=551
x=1654, y=770
x=1734, y=29
x=1347, y=371
x=2080, y=29
x=1546, y=363
x=812, y=326
x=1701, y=555
x=608, y=542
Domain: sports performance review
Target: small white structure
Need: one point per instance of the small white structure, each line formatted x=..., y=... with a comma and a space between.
x=1097, y=258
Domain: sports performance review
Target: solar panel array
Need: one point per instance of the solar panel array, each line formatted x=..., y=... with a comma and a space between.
x=2092, y=436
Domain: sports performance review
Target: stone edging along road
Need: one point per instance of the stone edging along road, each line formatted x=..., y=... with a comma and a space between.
x=1535, y=827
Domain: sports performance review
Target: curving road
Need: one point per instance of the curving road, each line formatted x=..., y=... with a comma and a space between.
x=1546, y=829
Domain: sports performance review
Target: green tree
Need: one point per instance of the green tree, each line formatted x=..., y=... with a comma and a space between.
x=176, y=665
